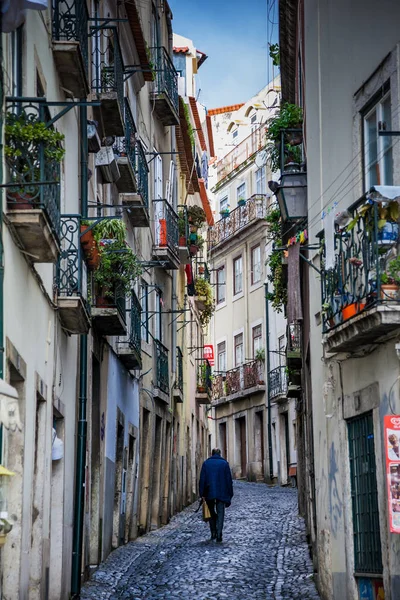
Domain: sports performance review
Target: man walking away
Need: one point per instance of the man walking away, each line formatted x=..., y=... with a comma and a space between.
x=216, y=489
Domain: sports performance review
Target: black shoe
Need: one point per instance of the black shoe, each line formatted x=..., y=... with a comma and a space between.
x=213, y=536
x=219, y=539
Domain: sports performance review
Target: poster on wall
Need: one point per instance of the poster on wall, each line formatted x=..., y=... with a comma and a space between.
x=392, y=454
x=208, y=354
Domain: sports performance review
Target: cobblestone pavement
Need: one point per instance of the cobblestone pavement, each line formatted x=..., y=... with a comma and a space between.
x=263, y=555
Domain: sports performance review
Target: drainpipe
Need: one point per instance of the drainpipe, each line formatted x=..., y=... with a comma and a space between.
x=82, y=422
x=1, y=233
x=271, y=469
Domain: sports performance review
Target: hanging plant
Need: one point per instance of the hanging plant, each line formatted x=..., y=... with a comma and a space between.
x=203, y=288
x=274, y=54
x=196, y=216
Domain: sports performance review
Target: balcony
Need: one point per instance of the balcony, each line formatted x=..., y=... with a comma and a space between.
x=241, y=155
x=108, y=81
x=239, y=383
x=360, y=294
x=278, y=384
x=294, y=353
x=70, y=45
x=129, y=349
x=33, y=180
x=125, y=152
x=109, y=314
x=137, y=204
x=71, y=278
x=161, y=382
x=178, y=387
x=238, y=220
x=165, y=90
x=166, y=235
x=204, y=383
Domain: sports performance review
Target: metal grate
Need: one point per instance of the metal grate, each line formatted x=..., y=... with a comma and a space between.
x=366, y=533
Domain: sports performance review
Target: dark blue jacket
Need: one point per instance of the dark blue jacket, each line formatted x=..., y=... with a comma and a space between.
x=216, y=479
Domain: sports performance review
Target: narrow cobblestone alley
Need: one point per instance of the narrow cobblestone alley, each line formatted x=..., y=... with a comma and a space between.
x=264, y=555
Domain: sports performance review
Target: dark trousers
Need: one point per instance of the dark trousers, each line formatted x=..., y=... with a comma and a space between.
x=217, y=510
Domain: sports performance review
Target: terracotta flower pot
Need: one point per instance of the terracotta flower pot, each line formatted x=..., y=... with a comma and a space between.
x=193, y=249
x=17, y=202
x=389, y=291
x=182, y=241
x=349, y=311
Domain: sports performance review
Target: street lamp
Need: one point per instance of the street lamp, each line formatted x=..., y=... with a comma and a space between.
x=292, y=193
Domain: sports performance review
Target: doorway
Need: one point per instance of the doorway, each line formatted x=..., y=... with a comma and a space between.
x=155, y=504
x=241, y=445
x=222, y=440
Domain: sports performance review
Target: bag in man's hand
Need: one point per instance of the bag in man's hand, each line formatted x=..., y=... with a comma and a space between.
x=206, y=511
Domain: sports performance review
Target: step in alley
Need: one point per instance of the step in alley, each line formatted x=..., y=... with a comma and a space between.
x=263, y=555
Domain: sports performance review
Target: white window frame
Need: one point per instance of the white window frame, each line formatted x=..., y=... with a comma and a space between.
x=235, y=336
x=260, y=181
x=224, y=203
x=383, y=143
x=241, y=191
x=220, y=269
x=235, y=261
x=260, y=338
x=219, y=369
x=253, y=270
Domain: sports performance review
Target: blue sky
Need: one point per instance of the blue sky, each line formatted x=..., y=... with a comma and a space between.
x=234, y=36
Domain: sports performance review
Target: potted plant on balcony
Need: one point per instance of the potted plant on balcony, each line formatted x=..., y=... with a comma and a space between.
x=89, y=245
x=290, y=116
x=225, y=212
x=182, y=229
x=202, y=381
x=118, y=266
x=203, y=292
x=196, y=217
x=260, y=358
x=242, y=201
x=390, y=280
x=25, y=138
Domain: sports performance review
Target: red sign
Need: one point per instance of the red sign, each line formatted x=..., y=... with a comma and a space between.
x=392, y=453
x=208, y=353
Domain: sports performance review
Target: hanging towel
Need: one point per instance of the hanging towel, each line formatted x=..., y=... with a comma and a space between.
x=294, y=308
x=189, y=280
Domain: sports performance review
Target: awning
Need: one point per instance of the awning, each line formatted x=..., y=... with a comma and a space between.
x=206, y=203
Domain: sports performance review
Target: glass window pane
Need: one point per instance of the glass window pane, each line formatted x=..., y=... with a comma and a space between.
x=237, y=282
x=221, y=285
x=256, y=265
x=241, y=192
x=223, y=203
x=371, y=150
x=238, y=350
x=387, y=157
x=221, y=357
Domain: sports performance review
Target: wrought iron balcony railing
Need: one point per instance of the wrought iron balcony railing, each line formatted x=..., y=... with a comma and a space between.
x=126, y=146
x=166, y=226
x=239, y=379
x=70, y=23
x=365, y=273
x=241, y=153
x=166, y=81
x=116, y=299
x=242, y=216
x=294, y=345
x=277, y=382
x=134, y=338
x=142, y=173
x=162, y=374
x=71, y=275
x=179, y=370
x=107, y=63
x=32, y=165
x=204, y=381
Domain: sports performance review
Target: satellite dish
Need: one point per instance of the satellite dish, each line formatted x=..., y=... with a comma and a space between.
x=261, y=159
